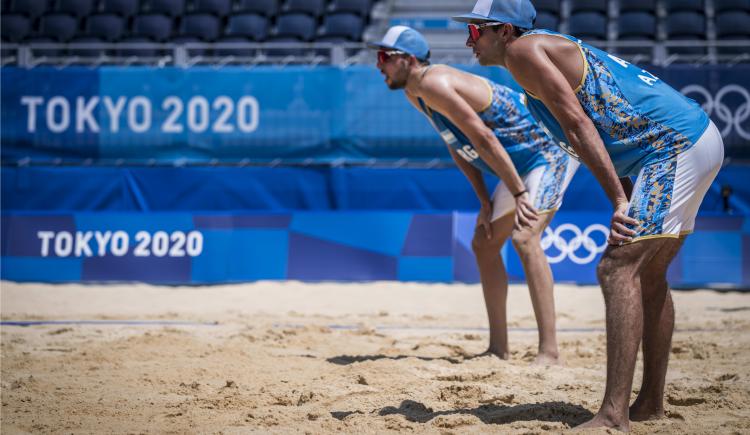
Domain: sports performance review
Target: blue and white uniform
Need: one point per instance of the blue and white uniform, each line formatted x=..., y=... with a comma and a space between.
x=651, y=131
x=545, y=169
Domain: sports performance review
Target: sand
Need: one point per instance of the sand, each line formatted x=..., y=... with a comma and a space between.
x=288, y=357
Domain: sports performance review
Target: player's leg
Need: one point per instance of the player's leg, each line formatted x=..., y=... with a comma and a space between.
x=494, y=280
x=658, y=326
x=546, y=186
x=619, y=276
x=527, y=242
x=696, y=170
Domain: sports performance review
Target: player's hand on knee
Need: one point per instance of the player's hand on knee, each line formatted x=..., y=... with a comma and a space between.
x=526, y=214
x=619, y=232
x=484, y=219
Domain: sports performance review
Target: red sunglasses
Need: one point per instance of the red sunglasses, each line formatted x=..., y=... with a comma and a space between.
x=475, y=30
x=385, y=55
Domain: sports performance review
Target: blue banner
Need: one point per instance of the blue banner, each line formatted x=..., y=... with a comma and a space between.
x=194, y=248
x=263, y=114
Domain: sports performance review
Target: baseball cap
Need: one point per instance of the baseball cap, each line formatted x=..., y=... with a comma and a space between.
x=520, y=13
x=406, y=39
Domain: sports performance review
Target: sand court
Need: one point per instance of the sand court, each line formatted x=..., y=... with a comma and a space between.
x=291, y=357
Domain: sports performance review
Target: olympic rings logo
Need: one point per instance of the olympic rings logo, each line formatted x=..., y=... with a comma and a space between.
x=574, y=241
x=714, y=106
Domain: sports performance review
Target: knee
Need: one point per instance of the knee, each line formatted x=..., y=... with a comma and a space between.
x=607, y=273
x=483, y=247
x=524, y=240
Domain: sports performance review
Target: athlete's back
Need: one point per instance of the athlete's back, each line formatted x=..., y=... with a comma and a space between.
x=504, y=113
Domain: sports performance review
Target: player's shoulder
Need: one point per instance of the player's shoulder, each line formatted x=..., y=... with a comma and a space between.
x=439, y=78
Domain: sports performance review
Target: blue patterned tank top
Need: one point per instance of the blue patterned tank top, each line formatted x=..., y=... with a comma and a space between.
x=640, y=119
x=507, y=116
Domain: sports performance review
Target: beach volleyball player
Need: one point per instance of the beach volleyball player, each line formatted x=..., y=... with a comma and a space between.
x=488, y=129
x=621, y=121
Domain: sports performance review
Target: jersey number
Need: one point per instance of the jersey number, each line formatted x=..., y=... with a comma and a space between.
x=467, y=153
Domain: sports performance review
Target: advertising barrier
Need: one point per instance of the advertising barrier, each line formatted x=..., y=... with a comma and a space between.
x=188, y=248
x=265, y=114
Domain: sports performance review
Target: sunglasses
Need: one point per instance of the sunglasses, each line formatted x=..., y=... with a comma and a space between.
x=385, y=55
x=475, y=30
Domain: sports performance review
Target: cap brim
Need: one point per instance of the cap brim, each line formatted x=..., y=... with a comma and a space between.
x=470, y=18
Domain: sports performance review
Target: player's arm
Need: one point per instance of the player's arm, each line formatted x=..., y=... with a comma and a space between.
x=474, y=176
x=441, y=96
x=471, y=173
x=534, y=71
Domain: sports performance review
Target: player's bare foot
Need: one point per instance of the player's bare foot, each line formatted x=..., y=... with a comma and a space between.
x=602, y=421
x=644, y=412
x=548, y=359
x=502, y=354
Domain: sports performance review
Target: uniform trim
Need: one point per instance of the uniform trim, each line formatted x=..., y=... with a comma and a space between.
x=660, y=236
x=547, y=211
x=492, y=92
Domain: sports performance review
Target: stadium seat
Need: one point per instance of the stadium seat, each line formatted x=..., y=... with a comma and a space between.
x=59, y=27
x=295, y=25
x=638, y=5
x=589, y=26
x=344, y=25
x=359, y=7
x=588, y=6
x=154, y=27
x=220, y=8
x=269, y=8
x=77, y=8
x=15, y=27
x=316, y=8
x=251, y=26
x=636, y=26
x=107, y=27
x=552, y=6
x=733, y=26
x=686, y=26
x=30, y=8
x=685, y=5
x=125, y=8
x=546, y=20
x=172, y=8
x=204, y=27
x=731, y=5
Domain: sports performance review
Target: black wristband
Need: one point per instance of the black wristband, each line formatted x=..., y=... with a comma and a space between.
x=519, y=193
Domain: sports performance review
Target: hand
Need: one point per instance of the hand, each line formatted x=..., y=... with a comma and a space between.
x=484, y=219
x=526, y=214
x=619, y=233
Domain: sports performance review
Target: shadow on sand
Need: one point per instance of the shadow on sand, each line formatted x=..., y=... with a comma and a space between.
x=562, y=412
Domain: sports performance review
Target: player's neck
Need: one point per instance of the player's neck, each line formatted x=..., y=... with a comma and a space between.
x=416, y=75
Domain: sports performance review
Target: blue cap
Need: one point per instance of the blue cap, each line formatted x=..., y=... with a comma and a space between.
x=520, y=13
x=406, y=39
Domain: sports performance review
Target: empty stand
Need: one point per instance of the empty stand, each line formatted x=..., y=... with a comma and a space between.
x=546, y=20
x=124, y=8
x=15, y=27
x=590, y=26
x=268, y=8
x=315, y=8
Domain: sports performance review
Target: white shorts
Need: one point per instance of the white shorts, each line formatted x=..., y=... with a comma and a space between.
x=546, y=185
x=667, y=195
